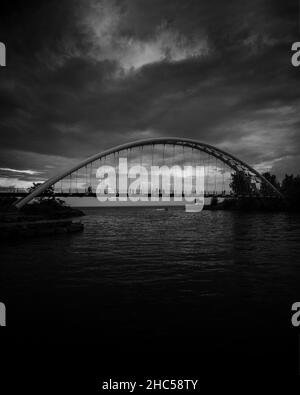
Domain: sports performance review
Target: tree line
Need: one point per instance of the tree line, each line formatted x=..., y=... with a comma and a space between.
x=242, y=185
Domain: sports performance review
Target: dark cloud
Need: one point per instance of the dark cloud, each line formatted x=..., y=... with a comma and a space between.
x=85, y=75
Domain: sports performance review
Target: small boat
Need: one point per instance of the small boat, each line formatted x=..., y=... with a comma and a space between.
x=195, y=207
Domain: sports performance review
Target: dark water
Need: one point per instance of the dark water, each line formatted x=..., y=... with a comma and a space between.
x=225, y=277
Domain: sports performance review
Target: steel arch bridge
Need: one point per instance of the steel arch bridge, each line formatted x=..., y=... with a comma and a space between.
x=210, y=156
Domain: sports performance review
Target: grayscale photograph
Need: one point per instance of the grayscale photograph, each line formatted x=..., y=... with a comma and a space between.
x=149, y=194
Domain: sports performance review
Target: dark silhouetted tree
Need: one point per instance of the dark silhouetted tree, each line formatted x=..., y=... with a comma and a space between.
x=265, y=189
x=46, y=194
x=290, y=188
x=241, y=184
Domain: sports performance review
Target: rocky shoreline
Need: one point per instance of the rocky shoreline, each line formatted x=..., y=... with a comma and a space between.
x=39, y=219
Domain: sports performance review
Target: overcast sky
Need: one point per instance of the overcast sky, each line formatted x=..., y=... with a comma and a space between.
x=82, y=76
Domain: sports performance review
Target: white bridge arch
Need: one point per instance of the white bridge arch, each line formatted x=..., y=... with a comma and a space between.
x=228, y=159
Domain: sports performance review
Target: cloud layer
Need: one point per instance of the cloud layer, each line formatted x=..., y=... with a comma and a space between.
x=82, y=76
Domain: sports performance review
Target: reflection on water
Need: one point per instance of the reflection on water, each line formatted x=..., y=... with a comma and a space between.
x=168, y=267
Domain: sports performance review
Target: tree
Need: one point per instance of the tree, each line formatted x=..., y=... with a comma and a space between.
x=290, y=188
x=241, y=183
x=47, y=194
x=266, y=189
x=46, y=204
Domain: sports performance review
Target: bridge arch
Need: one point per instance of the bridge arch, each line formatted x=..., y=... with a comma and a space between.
x=230, y=160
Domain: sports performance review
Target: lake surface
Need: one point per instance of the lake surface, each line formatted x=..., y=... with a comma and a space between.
x=149, y=275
